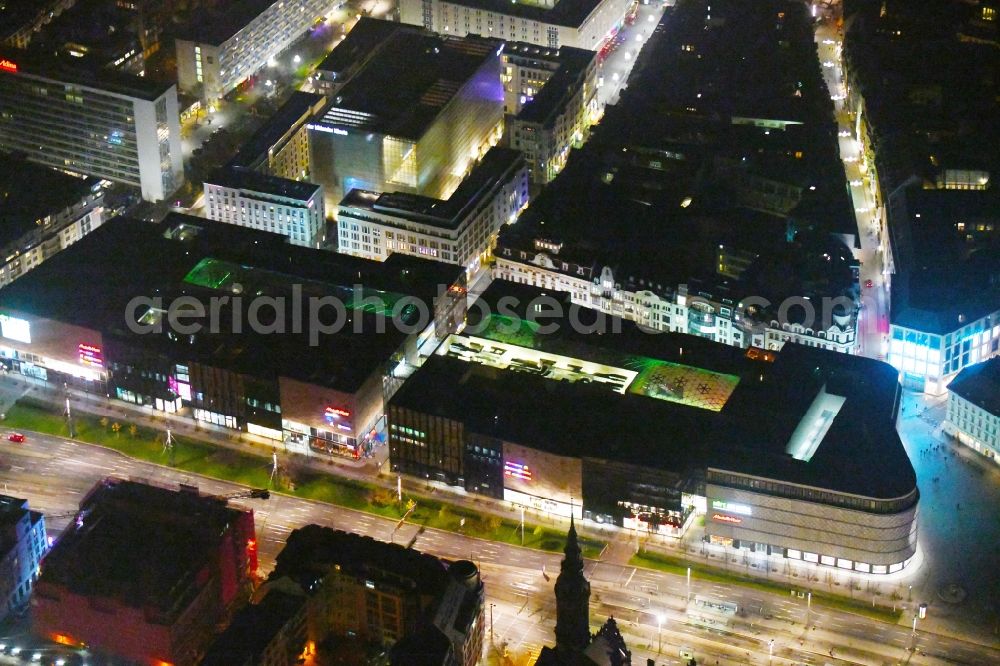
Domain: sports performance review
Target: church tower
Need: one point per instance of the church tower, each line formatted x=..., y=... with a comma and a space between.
x=572, y=599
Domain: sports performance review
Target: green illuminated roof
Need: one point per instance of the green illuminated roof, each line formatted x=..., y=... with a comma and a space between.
x=681, y=383
x=512, y=330
x=227, y=276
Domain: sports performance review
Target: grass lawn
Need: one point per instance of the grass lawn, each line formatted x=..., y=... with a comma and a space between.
x=204, y=458
x=712, y=574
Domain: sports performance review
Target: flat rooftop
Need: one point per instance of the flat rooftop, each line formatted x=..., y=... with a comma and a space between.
x=254, y=150
x=270, y=186
x=64, y=69
x=198, y=257
x=400, y=89
x=142, y=545
x=445, y=214
x=30, y=192
x=573, y=64
x=569, y=13
x=215, y=26
x=725, y=407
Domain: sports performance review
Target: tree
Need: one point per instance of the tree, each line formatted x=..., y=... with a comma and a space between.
x=493, y=523
x=115, y=427
x=104, y=422
x=133, y=430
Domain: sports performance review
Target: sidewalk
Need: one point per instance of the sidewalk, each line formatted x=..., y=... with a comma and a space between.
x=371, y=470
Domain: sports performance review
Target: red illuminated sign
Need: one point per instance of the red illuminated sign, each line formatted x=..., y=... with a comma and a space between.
x=90, y=355
x=336, y=413
x=8, y=65
x=722, y=518
x=516, y=470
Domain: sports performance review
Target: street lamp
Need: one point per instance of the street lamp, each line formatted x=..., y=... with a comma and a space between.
x=770, y=650
x=492, y=606
x=659, y=632
x=296, y=59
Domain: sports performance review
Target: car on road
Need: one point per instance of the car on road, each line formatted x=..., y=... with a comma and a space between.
x=16, y=437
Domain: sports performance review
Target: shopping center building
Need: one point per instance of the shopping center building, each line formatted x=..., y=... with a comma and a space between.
x=276, y=340
x=791, y=453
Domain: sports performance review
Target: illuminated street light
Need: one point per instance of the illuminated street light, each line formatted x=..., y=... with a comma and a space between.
x=296, y=59
x=272, y=62
x=659, y=631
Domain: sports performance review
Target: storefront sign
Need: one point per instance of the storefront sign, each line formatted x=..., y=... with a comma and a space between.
x=8, y=65
x=516, y=470
x=722, y=518
x=334, y=414
x=15, y=328
x=90, y=355
x=730, y=507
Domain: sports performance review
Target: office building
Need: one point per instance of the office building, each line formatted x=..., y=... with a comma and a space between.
x=974, y=408
x=296, y=346
x=43, y=212
x=97, y=123
x=416, y=113
x=380, y=593
x=281, y=146
x=585, y=24
x=22, y=546
x=288, y=207
x=222, y=47
x=550, y=102
x=460, y=230
x=564, y=422
x=144, y=573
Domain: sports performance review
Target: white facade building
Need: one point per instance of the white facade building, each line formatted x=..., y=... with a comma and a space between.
x=220, y=50
x=974, y=409
x=585, y=24
x=268, y=203
x=460, y=230
x=676, y=308
x=104, y=124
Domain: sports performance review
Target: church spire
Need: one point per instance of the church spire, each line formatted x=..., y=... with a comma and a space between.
x=572, y=598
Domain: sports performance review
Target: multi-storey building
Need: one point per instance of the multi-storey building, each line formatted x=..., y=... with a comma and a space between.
x=219, y=49
x=585, y=24
x=43, y=212
x=974, y=408
x=281, y=146
x=461, y=230
x=528, y=404
x=22, y=545
x=114, y=126
x=380, y=593
x=166, y=564
x=269, y=203
x=416, y=113
x=298, y=346
x=550, y=101
x=21, y=20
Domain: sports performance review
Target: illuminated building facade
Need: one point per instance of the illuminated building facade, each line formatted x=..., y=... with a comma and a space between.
x=269, y=203
x=460, y=230
x=974, y=408
x=545, y=415
x=383, y=593
x=115, y=126
x=550, y=101
x=281, y=146
x=43, y=211
x=22, y=545
x=220, y=49
x=166, y=564
x=285, y=387
x=584, y=24
x=414, y=116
